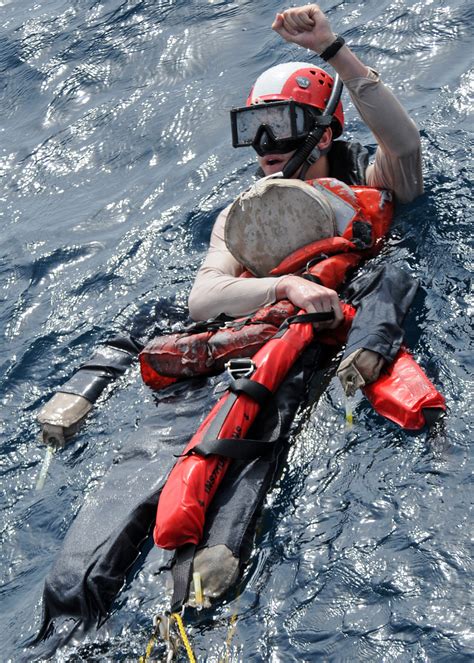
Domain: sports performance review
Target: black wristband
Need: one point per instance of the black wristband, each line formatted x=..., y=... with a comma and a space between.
x=333, y=48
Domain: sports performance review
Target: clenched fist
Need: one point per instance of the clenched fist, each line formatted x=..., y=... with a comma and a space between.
x=306, y=26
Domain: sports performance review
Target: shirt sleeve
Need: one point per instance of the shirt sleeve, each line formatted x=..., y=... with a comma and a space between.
x=398, y=163
x=218, y=287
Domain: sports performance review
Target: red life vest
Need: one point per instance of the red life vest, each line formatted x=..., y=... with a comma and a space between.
x=194, y=479
x=170, y=357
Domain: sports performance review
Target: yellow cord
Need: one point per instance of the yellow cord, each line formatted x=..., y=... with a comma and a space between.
x=177, y=618
x=151, y=643
x=231, y=630
x=230, y=634
x=349, y=404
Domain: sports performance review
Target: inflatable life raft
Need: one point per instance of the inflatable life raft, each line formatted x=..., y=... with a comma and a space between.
x=261, y=349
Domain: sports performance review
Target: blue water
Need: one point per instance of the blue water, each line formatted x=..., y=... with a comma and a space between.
x=115, y=157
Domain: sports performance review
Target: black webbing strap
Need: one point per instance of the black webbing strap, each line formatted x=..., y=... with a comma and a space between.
x=213, y=324
x=312, y=278
x=243, y=448
x=182, y=575
x=235, y=448
x=300, y=319
x=256, y=390
x=222, y=321
x=238, y=448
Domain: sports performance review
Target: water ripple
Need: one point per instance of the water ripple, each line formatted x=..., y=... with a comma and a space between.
x=115, y=161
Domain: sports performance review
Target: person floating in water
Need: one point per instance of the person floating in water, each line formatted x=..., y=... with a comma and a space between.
x=333, y=192
x=218, y=288
x=285, y=104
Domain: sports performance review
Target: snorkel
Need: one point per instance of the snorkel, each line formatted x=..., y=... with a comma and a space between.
x=308, y=153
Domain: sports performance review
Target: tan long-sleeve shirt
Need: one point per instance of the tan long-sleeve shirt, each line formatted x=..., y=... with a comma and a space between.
x=397, y=166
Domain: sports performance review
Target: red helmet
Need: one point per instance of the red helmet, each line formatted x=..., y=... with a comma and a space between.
x=301, y=82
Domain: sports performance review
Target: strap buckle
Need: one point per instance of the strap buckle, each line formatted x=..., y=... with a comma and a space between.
x=316, y=261
x=242, y=367
x=313, y=156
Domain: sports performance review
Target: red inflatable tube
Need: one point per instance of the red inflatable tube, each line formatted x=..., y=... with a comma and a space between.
x=403, y=393
x=376, y=205
x=200, y=354
x=194, y=479
x=338, y=336
x=334, y=270
x=165, y=359
x=152, y=378
x=298, y=259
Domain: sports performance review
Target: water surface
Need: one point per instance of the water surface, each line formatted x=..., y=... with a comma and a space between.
x=115, y=158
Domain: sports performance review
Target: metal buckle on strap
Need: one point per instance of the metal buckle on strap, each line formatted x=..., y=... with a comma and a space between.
x=316, y=260
x=240, y=368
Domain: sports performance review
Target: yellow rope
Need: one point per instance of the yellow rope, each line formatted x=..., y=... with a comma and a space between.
x=151, y=643
x=231, y=630
x=230, y=634
x=177, y=618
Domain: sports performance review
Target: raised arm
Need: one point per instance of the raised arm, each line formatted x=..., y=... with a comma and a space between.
x=397, y=163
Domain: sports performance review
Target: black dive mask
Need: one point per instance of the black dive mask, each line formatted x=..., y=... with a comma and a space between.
x=275, y=127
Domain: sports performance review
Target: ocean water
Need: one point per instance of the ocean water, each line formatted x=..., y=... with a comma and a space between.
x=115, y=158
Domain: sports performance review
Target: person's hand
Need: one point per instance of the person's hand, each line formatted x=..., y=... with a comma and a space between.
x=311, y=297
x=306, y=26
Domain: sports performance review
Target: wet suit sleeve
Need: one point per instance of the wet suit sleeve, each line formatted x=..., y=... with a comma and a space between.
x=62, y=416
x=218, y=288
x=382, y=298
x=108, y=362
x=397, y=164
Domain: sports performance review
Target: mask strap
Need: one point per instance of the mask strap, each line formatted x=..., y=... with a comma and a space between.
x=312, y=158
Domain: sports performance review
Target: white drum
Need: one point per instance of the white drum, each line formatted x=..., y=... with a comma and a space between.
x=276, y=217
